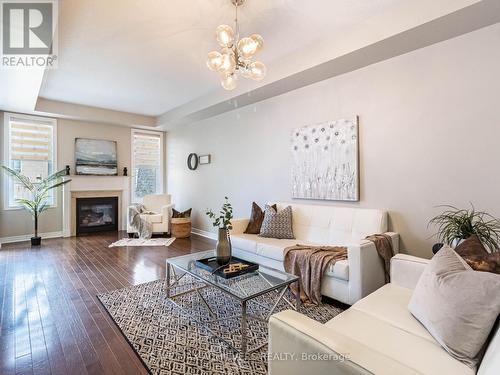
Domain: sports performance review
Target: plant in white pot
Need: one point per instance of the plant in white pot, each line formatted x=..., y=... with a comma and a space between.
x=223, y=222
x=39, y=191
x=455, y=225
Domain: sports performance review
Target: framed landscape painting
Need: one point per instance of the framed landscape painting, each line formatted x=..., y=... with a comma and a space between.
x=325, y=161
x=95, y=157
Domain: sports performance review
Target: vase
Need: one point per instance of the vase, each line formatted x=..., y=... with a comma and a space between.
x=223, y=249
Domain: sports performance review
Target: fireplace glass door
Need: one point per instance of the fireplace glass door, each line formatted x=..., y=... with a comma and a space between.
x=96, y=214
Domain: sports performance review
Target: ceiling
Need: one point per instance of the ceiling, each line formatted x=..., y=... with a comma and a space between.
x=148, y=56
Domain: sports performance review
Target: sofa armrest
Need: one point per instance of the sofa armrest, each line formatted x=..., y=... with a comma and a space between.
x=239, y=226
x=300, y=345
x=406, y=270
x=395, y=241
x=366, y=268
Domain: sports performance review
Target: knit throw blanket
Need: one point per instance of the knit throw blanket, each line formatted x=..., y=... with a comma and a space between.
x=383, y=244
x=310, y=264
x=137, y=223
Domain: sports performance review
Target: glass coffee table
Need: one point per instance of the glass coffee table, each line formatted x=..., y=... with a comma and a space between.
x=244, y=288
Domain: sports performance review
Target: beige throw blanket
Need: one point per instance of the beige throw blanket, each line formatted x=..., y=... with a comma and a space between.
x=310, y=263
x=383, y=244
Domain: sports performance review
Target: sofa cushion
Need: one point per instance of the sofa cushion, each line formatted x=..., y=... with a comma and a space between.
x=153, y=218
x=389, y=304
x=416, y=352
x=272, y=248
x=332, y=225
x=246, y=242
x=339, y=270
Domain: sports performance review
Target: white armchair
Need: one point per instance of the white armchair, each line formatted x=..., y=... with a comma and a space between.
x=161, y=205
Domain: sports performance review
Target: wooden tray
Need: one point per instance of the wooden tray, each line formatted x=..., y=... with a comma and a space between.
x=210, y=264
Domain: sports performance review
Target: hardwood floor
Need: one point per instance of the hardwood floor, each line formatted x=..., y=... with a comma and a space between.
x=51, y=321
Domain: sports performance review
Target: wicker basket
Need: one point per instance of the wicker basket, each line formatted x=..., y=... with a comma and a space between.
x=181, y=227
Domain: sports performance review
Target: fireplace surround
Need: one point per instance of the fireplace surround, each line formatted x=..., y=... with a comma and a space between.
x=94, y=187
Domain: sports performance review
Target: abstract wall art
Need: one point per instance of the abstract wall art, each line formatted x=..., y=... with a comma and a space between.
x=95, y=157
x=325, y=161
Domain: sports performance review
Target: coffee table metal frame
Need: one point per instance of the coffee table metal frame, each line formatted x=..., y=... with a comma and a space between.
x=279, y=290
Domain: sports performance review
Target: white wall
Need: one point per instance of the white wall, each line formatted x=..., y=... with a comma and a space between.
x=429, y=135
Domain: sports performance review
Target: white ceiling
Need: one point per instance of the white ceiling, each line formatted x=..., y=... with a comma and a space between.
x=148, y=56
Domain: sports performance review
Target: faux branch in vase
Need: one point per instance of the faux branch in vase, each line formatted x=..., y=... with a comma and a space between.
x=223, y=222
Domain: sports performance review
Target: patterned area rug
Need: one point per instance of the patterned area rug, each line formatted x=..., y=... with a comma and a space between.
x=169, y=341
x=143, y=242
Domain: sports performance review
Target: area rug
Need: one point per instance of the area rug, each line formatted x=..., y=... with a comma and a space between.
x=169, y=340
x=143, y=242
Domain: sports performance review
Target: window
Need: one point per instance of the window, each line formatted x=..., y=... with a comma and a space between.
x=147, y=163
x=30, y=148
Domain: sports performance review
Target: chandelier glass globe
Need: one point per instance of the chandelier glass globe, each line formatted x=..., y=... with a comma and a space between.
x=224, y=35
x=229, y=81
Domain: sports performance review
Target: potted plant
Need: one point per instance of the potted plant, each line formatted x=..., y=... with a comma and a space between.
x=223, y=222
x=39, y=195
x=455, y=225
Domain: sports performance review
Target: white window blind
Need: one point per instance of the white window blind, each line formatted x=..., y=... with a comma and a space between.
x=147, y=163
x=29, y=149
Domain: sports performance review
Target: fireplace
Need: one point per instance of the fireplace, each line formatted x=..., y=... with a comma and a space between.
x=96, y=214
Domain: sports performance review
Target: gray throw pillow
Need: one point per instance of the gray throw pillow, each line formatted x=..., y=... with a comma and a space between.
x=277, y=224
x=457, y=305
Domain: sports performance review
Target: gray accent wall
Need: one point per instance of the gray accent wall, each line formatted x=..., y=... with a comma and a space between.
x=429, y=135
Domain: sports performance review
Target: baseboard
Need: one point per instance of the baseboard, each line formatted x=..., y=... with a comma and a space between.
x=204, y=233
x=27, y=237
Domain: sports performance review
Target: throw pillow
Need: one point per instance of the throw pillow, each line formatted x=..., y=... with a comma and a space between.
x=476, y=256
x=471, y=246
x=457, y=305
x=277, y=224
x=256, y=219
x=177, y=214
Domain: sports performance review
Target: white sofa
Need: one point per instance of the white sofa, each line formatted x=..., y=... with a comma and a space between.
x=377, y=334
x=161, y=205
x=347, y=281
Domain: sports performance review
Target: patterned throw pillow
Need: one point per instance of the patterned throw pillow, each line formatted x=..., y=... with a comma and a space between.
x=277, y=224
x=256, y=219
x=476, y=256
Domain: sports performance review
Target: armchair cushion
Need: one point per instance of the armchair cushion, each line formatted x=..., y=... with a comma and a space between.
x=153, y=218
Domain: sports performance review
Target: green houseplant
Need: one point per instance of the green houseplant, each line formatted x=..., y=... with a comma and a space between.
x=223, y=222
x=39, y=195
x=455, y=225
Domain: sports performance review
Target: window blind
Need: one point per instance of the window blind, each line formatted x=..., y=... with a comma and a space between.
x=30, y=141
x=147, y=150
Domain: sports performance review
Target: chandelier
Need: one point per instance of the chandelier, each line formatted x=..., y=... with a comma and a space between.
x=236, y=54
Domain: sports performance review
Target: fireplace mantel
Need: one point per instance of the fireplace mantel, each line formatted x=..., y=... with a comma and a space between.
x=94, y=186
